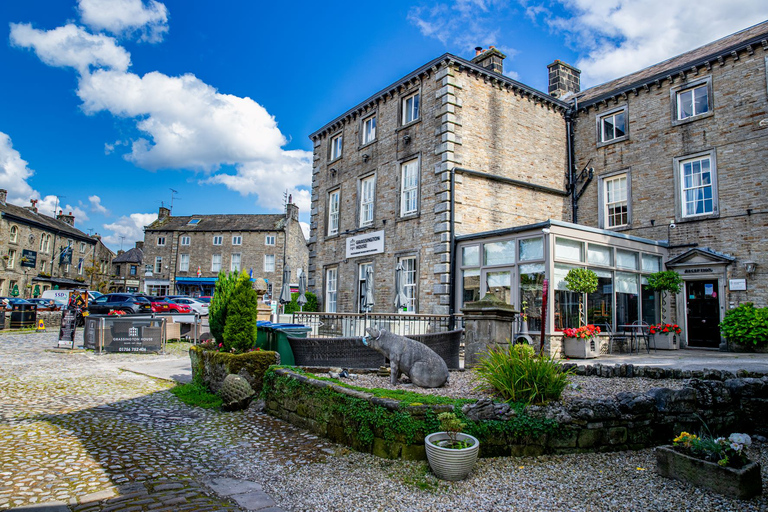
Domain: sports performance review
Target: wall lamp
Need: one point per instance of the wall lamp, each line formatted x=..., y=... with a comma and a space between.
x=750, y=267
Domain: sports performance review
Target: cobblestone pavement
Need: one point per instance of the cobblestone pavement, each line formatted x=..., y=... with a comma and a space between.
x=78, y=434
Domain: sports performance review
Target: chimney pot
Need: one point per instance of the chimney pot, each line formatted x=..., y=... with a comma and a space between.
x=490, y=59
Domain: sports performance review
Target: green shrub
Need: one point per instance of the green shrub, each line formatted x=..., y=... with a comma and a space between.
x=746, y=325
x=197, y=394
x=242, y=313
x=666, y=281
x=581, y=280
x=293, y=306
x=518, y=375
x=217, y=311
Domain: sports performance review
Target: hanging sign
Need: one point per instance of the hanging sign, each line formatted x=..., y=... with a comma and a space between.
x=365, y=244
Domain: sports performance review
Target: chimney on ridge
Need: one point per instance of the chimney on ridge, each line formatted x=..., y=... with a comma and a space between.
x=291, y=210
x=140, y=244
x=164, y=213
x=68, y=219
x=490, y=59
x=3, y=196
x=563, y=78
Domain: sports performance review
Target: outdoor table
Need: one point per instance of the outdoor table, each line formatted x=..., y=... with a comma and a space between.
x=634, y=332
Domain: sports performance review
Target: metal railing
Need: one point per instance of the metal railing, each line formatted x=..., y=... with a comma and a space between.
x=349, y=325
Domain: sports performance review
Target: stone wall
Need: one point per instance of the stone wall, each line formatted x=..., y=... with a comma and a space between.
x=212, y=367
x=625, y=421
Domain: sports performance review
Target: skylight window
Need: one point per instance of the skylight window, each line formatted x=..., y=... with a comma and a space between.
x=193, y=222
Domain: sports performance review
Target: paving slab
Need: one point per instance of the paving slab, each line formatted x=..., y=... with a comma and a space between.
x=687, y=359
x=177, y=370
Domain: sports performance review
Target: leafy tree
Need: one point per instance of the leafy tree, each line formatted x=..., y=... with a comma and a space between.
x=217, y=311
x=242, y=313
x=666, y=281
x=581, y=281
x=293, y=306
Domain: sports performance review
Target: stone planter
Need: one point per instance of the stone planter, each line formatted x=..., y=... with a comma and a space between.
x=579, y=348
x=665, y=341
x=449, y=463
x=741, y=483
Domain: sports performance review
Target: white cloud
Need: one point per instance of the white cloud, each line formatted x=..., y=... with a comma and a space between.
x=51, y=203
x=71, y=46
x=620, y=37
x=96, y=205
x=14, y=173
x=126, y=17
x=464, y=24
x=130, y=227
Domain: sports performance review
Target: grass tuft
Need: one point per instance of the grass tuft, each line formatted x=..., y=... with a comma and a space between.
x=197, y=394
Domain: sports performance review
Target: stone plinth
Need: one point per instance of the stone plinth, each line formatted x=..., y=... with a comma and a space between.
x=487, y=324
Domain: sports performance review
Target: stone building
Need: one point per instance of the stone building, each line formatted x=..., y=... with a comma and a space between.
x=127, y=270
x=662, y=167
x=41, y=252
x=183, y=255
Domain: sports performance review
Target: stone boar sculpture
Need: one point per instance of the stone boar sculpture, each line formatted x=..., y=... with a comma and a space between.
x=420, y=363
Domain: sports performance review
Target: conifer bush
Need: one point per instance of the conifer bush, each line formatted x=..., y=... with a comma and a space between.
x=242, y=313
x=217, y=311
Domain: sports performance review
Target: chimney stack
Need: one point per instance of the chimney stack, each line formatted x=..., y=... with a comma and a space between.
x=164, y=213
x=3, y=196
x=68, y=219
x=291, y=210
x=563, y=79
x=140, y=244
x=490, y=59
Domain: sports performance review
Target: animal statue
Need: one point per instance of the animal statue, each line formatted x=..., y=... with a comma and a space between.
x=420, y=363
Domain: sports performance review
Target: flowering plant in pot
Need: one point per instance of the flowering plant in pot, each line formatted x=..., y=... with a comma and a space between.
x=580, y=342
x=451, y=453
x=718, y=464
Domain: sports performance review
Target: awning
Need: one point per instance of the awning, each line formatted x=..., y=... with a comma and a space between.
x=196, y=280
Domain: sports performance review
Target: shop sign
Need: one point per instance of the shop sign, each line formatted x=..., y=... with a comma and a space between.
x=28, y=258
x=363, y=245
x=132, y=282
x=699, y=270
x=737, y=285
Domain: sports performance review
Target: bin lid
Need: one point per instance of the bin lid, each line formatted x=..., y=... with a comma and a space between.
x=264, y=323
x=294, y=328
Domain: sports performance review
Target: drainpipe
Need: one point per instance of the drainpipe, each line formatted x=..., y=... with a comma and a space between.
x=452, y=274
x=571, y=166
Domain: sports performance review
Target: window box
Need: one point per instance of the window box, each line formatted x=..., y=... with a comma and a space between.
x=743, y=483
x=665, y=341
x=579, y=348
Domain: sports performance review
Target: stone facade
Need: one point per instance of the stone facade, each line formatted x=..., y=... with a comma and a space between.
x=32, y=245
x=127, y=269
x=490, y=135
x=175, y=247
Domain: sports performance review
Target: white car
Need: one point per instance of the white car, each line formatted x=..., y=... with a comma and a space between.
x=198, y=306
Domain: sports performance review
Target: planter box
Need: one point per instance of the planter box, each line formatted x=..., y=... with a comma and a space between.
x=741, y=483
x=665, y=341
x=578, y=348
x=449, y=463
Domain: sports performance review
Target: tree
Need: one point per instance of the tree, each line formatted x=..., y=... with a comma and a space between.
x=581, y=281
x=242, y=314
x=293, y=306
x=666, y=281
x=217, y=311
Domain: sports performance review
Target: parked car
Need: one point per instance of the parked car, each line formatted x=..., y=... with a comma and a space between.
x=204, y=299
x=159, y=305
x=45, y=304
x=198, y=306
x=175, y=307
x=127, y=303
x=10, y=301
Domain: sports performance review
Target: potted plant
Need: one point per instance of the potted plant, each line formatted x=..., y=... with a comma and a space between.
x=718, y=464
x=666, y=281
x=581, y=342
x=661, y=335
x=451, y=453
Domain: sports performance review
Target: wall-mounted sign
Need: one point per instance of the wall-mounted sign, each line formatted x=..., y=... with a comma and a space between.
x=131, y=282
x=699, y=270
x=737, y=285
x=28, y=258
x=363, y=245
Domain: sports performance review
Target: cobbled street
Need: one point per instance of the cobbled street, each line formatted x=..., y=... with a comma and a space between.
x=79, y=434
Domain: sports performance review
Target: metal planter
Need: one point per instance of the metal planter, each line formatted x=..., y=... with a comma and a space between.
x=448, y=463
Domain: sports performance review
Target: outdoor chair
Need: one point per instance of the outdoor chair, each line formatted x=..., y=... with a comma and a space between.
x=619, y=337
x=644, y=333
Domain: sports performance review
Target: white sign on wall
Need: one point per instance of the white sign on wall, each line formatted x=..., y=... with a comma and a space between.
x=736, y=285
x=365, y=244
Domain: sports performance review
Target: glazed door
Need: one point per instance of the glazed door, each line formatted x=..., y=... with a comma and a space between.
x=703, y=309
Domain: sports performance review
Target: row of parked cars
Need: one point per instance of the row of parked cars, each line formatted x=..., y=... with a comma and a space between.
x=128, y=303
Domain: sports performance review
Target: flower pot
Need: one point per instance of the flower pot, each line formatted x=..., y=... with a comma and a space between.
x=665, y=341
x=580, y=348
x=449, y=463
x=743, y=483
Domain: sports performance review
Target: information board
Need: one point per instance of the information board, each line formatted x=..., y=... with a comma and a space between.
x=68, y=327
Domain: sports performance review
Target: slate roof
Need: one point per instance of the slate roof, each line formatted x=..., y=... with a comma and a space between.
x=134, y=255
x=233, y=222
x=702, y=56
x=43, y=221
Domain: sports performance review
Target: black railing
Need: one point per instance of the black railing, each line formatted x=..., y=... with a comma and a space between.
x=349, y=325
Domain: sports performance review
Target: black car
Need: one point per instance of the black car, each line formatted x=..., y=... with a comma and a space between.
x=130, y=304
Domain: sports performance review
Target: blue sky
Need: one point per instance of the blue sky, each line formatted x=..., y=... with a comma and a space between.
x=107, y=105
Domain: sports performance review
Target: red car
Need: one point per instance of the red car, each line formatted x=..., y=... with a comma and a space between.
x=176, y=308
x=159, y=305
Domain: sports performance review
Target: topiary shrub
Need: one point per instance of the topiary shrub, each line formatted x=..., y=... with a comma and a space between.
x=746, y=325
x=217, y=311
x=517, y=374
x=293, y=306
x=242, y=313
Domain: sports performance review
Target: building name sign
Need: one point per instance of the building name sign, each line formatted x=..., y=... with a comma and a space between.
x=736, y=285
x=702, y=270
x=369, y=243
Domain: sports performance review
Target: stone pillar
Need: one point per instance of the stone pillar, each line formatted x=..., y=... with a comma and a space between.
x=487, y=324
x=264, y=311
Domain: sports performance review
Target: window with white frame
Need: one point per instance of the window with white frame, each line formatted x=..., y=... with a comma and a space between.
x=613, y=126
x=269, y=263
x=616, y=201
x=161, y=241
x=237, y=240
x=14, y=234
x=158, y=264
x=409, y=282
x=369, y=130
x=331, y=276
x=82, y=247
x=333, y=212
x=185, y=240
x=11, y=258
x=234, y=265
x=183, y=262
x=693, y=101
x=269, y=240
x=336, y=147
x=215, y=262
x=698, y=186
x=409, y=188
x=217, y=240
x=80, y=266
x=366, y=200
x=410, y=108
